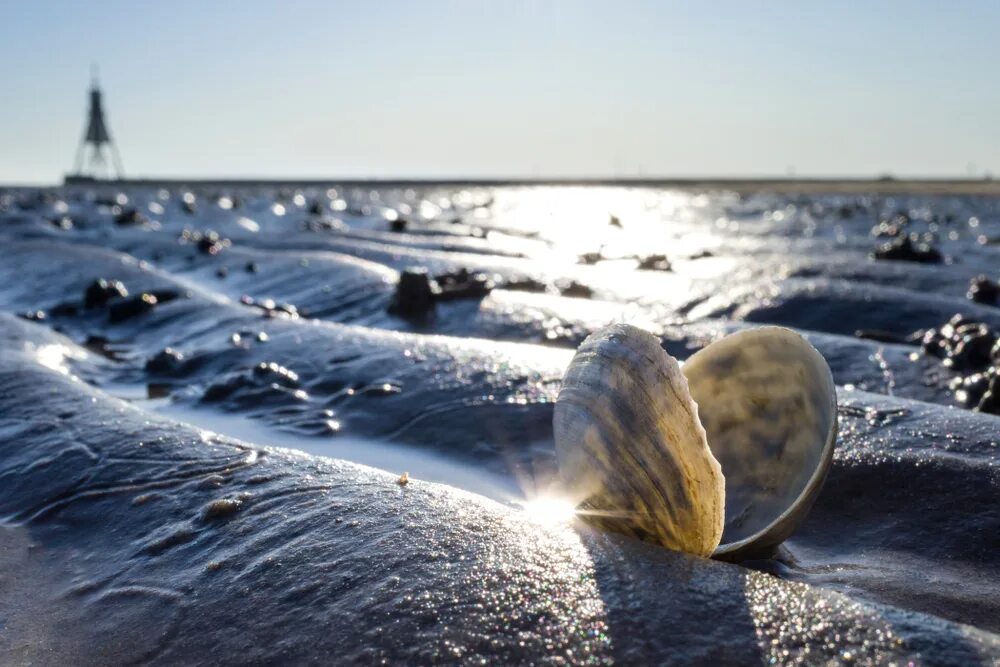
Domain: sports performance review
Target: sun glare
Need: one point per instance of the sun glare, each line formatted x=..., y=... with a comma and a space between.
x=53, y=356
x=549, y=510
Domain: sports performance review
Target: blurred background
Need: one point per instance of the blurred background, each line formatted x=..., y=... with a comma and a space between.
x=449, y=88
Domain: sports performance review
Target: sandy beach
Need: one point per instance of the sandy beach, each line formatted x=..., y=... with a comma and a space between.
x=210, y=393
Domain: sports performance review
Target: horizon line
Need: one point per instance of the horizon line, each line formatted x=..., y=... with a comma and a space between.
x=533, y=178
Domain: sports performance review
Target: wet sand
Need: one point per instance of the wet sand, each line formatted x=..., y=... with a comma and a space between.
x=294, y=316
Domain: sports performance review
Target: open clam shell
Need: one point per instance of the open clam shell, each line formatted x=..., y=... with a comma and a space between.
x=640, y=441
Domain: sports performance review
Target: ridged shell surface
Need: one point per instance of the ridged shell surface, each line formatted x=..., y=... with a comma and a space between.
x=630, y=445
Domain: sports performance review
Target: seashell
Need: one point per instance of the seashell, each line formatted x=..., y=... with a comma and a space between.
x=630, y=446
x=724, y=457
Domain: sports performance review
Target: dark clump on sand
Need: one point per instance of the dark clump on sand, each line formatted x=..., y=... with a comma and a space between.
x=961, y=343
x=575, y=289
x=105, y=347
x=130, y=216
x=211, y=243
x=654, y=263
x=165, y=362
x=462, y=284
x=984, y=290
x=417, y=293
x=64, y=309
x=990, y=402
x=905, y=249
x=525, y=284
x=62, y=222
x=972, y=350
x=101, y=291
x=128, y=308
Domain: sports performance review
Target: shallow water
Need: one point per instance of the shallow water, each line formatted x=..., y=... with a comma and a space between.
x=461, y=393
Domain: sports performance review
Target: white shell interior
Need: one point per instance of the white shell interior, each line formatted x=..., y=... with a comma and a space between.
x=767, y=401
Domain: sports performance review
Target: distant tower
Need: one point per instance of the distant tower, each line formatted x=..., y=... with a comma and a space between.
x=91, y=160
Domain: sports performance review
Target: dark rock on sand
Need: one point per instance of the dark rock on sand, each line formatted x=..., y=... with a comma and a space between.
x=654, y=263
x=984, y=290
x=65, y=309
x=130, y=216
x=63, y=222
x=414, y=296
x=574, y=289
x=971, y=349
x=990, y=402
x=905, y=249
x=969, y=389
x=165, y=295
x=103, y=346
x=158, y=390
x=524, y=285
x=961, y=344
x=210, y=243
x=274, y=372
x=462, y=284
x=101, y=291
x=131, y=307
x=165, y=362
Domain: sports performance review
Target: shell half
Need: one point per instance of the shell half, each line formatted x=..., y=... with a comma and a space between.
x=642, y=445
x=768, y=403
x=630, y=447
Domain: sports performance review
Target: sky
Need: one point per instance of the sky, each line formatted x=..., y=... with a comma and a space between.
x=477, y=88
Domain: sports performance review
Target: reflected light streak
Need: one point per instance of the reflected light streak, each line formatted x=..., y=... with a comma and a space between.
x=549, y=510
x=54, y=356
